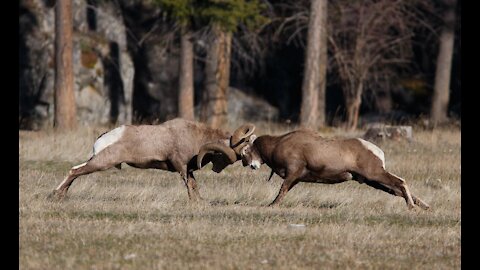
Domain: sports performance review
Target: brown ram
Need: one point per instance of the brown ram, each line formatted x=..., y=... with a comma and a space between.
x=171, y=146
x=304, y=156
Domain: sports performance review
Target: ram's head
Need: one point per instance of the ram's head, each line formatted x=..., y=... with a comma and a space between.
x=223, y=155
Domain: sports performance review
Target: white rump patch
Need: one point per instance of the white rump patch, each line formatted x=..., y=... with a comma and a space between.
x=108, y=139
x=374, y=149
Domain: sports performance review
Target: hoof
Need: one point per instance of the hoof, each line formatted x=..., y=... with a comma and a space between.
x=56, y=195
x=424, y=206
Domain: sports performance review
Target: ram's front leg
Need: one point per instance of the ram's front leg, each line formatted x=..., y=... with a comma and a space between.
x=271, y=175
x=191, y=186
x=290, y=181
x=193, y=193
x=187, y=177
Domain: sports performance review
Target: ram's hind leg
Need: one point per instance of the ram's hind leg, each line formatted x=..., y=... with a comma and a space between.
x=395, y=191
x=420, y=203
x=95, y=164
x=393, y=181
x=76, y=171
x=402, y=185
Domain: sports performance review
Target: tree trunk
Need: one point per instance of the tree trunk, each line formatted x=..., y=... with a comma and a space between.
x=353, y=103
x=353, y=108
x=65, y=107
x=312, y=113
x=185, y=92
x=441, y=92
x=217, y=69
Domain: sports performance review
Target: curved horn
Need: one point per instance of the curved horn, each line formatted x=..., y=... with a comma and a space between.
x=238, y=138
x=215, y=147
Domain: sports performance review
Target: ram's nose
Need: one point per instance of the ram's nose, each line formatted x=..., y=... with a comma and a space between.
x=255, y=165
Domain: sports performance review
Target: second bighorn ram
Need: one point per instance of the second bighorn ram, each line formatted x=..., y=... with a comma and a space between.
x=171, y=146
x=305, y=156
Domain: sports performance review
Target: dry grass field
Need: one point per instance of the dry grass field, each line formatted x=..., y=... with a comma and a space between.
x=141, y=219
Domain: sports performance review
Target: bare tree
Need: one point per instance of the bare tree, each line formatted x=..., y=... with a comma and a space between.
x=64, y=100
x=366, y=38
x=185, y=95
x=217, y=73
x=368, y=42
x=312, y=112
x=441, y=94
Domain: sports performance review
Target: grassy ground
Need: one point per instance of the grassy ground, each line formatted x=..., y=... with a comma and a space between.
x=141, y=219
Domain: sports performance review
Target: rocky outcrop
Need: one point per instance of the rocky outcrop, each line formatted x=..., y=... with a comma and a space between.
x=382, y=132
x=126, y=64
x=156, y=60
x=243, y=107
x=103, y=69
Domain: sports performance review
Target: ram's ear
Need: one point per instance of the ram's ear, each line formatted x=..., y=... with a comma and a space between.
x=252, y=138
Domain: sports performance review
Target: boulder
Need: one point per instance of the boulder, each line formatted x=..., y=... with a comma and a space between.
x=242, y=106
x=381, y=132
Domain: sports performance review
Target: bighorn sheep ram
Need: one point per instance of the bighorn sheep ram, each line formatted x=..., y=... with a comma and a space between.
x=171, y=146
x=305, y=156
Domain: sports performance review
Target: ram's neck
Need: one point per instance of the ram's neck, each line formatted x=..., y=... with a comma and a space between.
x=216, y=135
x=265, y=145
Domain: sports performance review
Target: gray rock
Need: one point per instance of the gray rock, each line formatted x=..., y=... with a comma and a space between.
x=242, y=106
x=381, y=132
